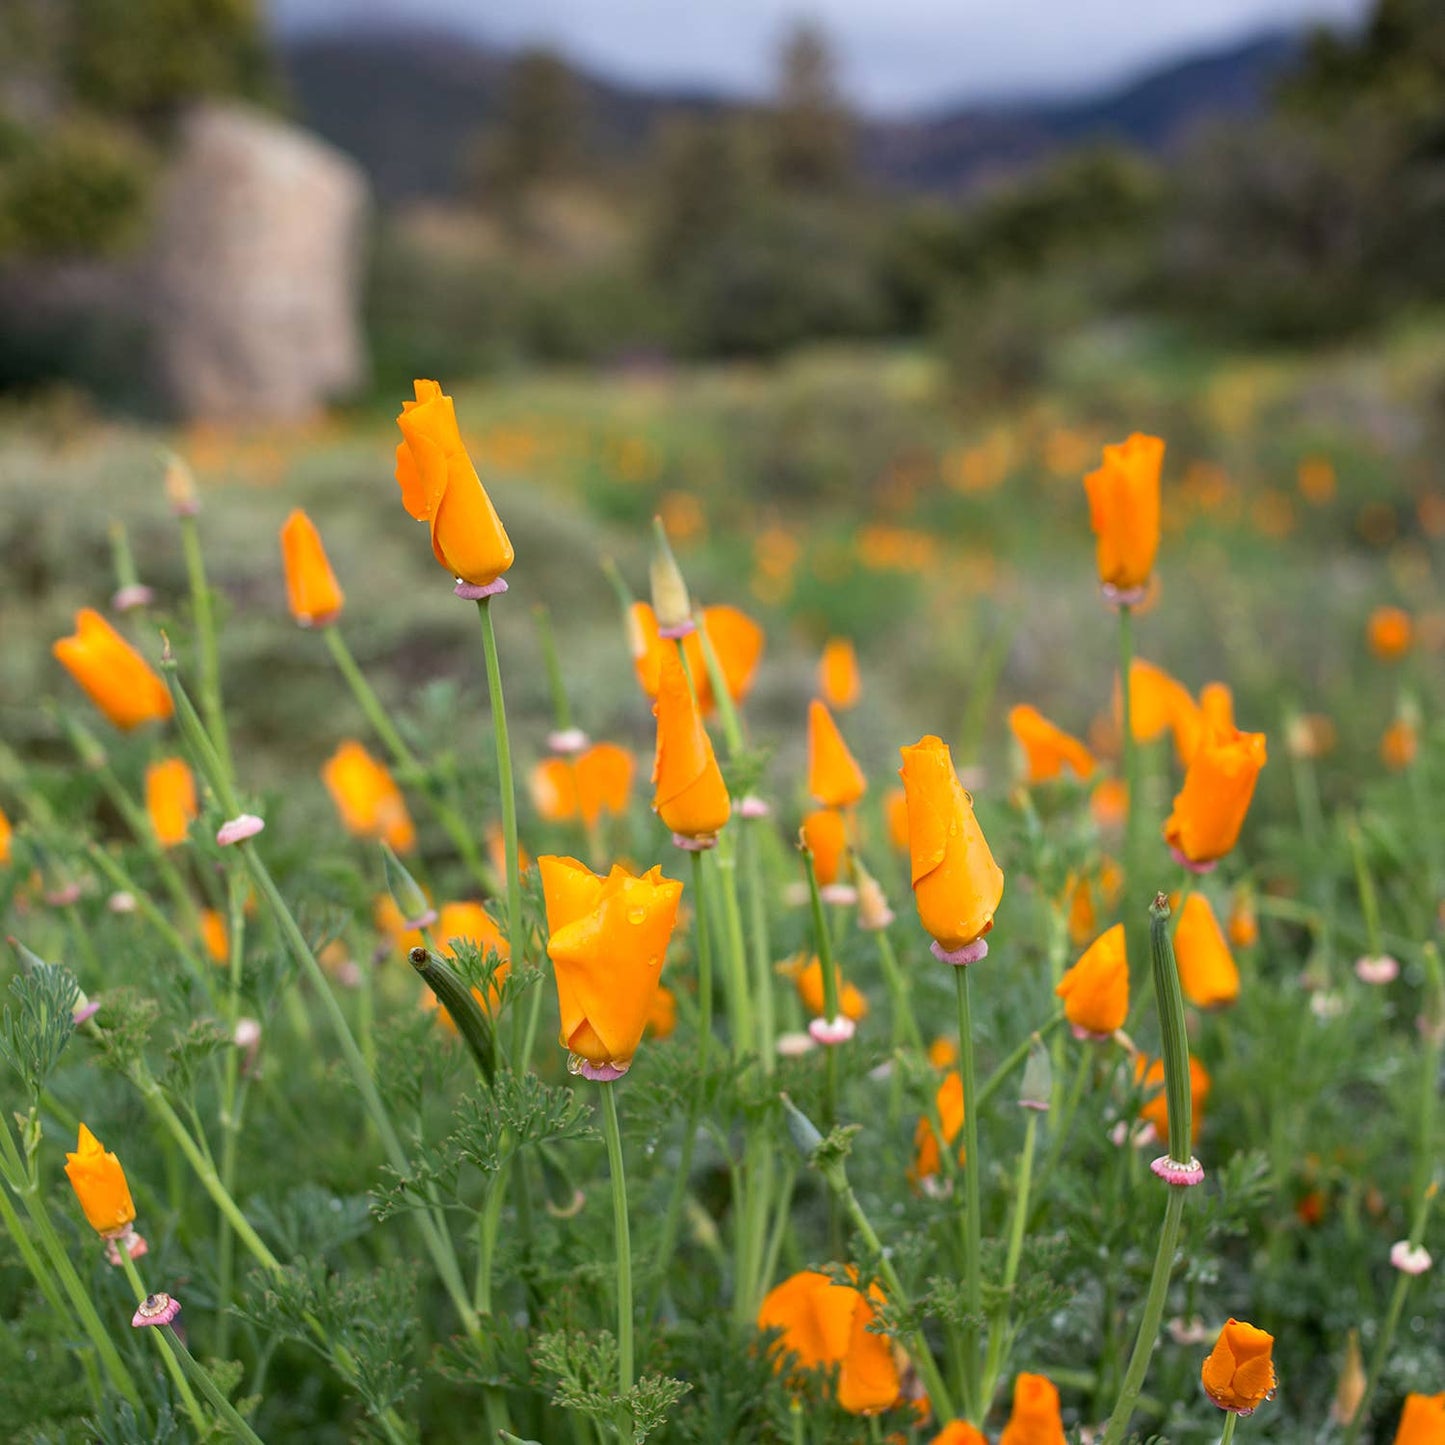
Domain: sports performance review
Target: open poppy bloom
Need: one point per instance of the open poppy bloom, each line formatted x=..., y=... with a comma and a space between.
x=1124, y=511
x=1207, y=971
x=596, y=781
x=1155, y=1108
x=1238, y=1374
x=838, y=680
x=1422, y=1421
x=607, y=939
x=825, y=1325
x=737, y=643
x=1159, y=703
x=1095, y=990
x=312, y=591
x=99, y=1184
x=689, y=794
x=439, y=485
x=959, y=1432
x=956, y=883
x=170, y=800
x=115, y=677
x=6, y=834
x=367, y=797
x=808, y=978
x=834, y=777
x=1390, y=632
x=927, y=1150
x=1048, y=749
x=1218, y=785
x=1035, y=1418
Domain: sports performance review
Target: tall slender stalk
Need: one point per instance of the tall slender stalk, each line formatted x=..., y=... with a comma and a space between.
x=168, y=1356
x=207, y=654
x=1133, y=901
x=231, y=1417
x=972, y=1223
x=624, y=1253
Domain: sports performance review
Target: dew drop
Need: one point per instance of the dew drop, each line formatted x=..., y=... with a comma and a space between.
x=637, y=915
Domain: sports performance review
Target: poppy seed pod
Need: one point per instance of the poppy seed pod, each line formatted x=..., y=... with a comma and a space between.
x=440, y=486
x=312, y=591
x=115, y=677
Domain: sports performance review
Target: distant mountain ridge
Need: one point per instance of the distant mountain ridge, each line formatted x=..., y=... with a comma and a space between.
x=410, y=105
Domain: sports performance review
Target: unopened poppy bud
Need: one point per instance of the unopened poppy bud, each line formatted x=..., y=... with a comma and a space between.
x=406, y=892
x=1239, y=1374
x=100, y=1186
x=874, y=914
x=1038, y=1085
x=180, y=487
x=801, y=1129
x=671, y=604
x=1350, y=1390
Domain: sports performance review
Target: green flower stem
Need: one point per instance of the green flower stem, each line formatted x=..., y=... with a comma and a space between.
x=145, y=906
x=761, y=953
x=1369, y=901
x=1134, y=936
x=823, y=943
x=505, y=785
x=1059, y=1135
x=231, y=1105
x=800, y=1430
x=726, y=711
x=207, y=656
x=624, y=1252
x=430, y=1222
x=901, y=994
x=922, y=1355
x=168, y=1358
x=672, y=1216
x=561, y=707
x=1153, y=1315
x=1433, y=1045
x=39, y=1271
x=230, y=1416
x=1396, y=1307
x=1230, y=1421
x=488, y=1224
x=24, y=1179
x=972, y=1221
x=724, y=868
x=1000, y=1331
x=407, y=764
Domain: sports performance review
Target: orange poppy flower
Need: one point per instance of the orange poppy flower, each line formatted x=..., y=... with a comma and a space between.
x=689, y=794
x=439, y=485
x=607, y=941
x=1124, y=511
x=942, y=1053
x=471, y=923
x=808, y=979
x=1243, y=925
x=1399, y=745
x=927, y=1155
x=1390, y=631
x=956, y=883
x=170, y=800
x=838, y=680
x=215, y=936
x=960, y=1432
x=554, y=790
x=1207, y=970
x=115, y=677
x=1155, y=1109
x=1422, y=1421
x=1209, y=810
x=662, y=1019
x=1109, y=804
x=312, y=591
x=367, y=797
x=826, y=1325
x=895, y=816
x=99, y=1184
x=1035, y=1418
x=1238, y=1374
x=834, y=777
x=1048, y=749
x=6, y=834
x=1095, y=990
x=826, y=835
x=737, y=642
x=1158, y=702
x=1083, y=917
x=595, y=782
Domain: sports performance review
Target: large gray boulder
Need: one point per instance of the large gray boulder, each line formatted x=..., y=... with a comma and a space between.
x=257, y=266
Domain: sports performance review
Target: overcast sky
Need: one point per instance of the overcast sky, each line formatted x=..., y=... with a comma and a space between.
x=896, y=55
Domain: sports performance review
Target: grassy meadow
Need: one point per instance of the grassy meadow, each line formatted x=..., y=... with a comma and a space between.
x=466, y=1280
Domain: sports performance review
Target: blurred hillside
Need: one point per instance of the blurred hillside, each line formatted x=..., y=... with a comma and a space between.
x=411, y=106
